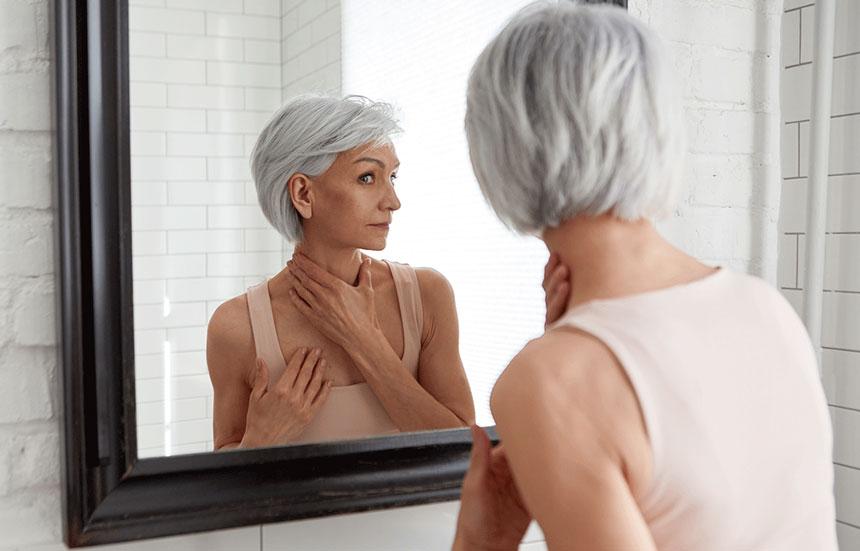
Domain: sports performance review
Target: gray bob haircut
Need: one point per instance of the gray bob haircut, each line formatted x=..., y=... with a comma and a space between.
x=304, y=136
x=573, y=109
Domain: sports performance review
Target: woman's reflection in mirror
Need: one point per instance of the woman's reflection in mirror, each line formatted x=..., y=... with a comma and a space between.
x=337, y=344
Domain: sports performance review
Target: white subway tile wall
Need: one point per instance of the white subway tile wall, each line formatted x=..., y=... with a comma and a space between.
x=841, y=320
x=205, y=77
x=311, y=49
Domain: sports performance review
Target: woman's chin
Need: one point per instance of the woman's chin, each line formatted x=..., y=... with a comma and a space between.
x=372, y=244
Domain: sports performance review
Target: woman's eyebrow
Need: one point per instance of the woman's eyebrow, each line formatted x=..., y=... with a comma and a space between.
x=372, y=160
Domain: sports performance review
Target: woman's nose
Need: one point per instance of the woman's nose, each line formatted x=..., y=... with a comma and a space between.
x=391, y=200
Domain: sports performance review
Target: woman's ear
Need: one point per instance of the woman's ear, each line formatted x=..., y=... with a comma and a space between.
x=301, y=194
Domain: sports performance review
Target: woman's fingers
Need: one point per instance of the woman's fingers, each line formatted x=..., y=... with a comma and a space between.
x=316, y=379
x=558, y=275
x=557, y=292
x=480, y=456
x=305, y=294
x=499, y=463
x=321, y=395
x=294, y=365
x=549, y=268
x=304, y=280
x=303, y=307
x=306, y=370
x=556, y=302
x=316, y=272
x=261, y=379
x=497, y=451
x=364, y=275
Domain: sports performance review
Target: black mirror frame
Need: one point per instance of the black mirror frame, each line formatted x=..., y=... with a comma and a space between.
x=109, y=495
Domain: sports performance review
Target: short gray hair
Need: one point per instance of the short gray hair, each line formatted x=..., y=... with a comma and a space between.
x=304, y=136
x=573, y=109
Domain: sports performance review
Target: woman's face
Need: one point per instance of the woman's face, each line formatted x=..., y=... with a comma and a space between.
x=353, y=201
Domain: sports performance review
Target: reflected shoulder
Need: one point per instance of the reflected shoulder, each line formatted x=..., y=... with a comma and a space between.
x=434, y=286
x=230, y=313
x=230, y=325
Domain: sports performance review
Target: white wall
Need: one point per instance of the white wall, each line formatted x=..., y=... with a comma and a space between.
x=725, y=57
x=726, y=51
x=204, y=78
x=311, y=31
x=841, y=319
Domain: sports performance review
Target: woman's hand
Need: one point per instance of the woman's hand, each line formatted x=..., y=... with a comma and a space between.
x=278, y=414
x=343, y=313
x=492, y=514
x=556, y=287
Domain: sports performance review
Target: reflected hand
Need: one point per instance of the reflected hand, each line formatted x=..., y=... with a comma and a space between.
x=277, y=414
x=556, y=288
x=343, y=313
x=492, y=513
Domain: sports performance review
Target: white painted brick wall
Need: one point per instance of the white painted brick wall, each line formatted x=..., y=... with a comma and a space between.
x=841, y=317
x=724, y=55
x=723, y=180
x=29, y=463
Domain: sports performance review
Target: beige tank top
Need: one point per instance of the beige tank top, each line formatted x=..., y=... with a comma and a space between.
x=351, y=411
x=735, y=412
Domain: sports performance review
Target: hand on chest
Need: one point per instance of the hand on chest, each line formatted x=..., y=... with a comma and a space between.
x=295, y=331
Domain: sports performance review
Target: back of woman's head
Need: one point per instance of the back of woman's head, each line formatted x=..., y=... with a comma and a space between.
x=304, y=136
x=572, y=109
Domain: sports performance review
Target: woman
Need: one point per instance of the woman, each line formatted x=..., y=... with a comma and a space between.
x=673, y=405
x=372, y=345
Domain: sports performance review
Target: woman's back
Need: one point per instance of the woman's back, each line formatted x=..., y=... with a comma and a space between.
x=735, y=412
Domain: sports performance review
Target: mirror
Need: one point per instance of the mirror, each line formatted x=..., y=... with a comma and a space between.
x=156, y=228
x=205, y=78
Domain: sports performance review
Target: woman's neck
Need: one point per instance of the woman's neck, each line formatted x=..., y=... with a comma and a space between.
x=609, y=257
x=343, y=263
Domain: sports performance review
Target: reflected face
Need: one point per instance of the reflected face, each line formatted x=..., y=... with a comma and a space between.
x=353, y=201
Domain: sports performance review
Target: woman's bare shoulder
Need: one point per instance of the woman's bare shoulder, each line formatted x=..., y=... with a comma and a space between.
x=231, y=319
x=571, y=378
x=436, y=290
x=567, y=368
x=229, y=339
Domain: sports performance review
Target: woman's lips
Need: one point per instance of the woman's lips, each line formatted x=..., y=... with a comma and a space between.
x=382, y=226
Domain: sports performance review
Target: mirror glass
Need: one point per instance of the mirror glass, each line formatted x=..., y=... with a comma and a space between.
x=205, y=78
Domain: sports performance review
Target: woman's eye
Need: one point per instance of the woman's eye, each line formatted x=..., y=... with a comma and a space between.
x=366, y=178
x=394, y=177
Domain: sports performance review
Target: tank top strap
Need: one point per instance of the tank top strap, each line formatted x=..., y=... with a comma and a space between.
x=263, y=329
x=411, y=311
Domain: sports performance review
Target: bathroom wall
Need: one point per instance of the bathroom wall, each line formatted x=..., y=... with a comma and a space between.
x=724, y=57
x=311, y=46
x=841, y=320
x=204, y=78
x=725, y=51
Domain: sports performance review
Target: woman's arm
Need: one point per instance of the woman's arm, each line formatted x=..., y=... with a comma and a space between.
x=229, y=352
x=263, y=412
x=440, y=369
x=440, y=397
x=553, y=411
x=346, y=314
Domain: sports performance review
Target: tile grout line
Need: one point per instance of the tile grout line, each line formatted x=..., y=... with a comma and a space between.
x=846, y=466
x=846, y=408
x=798, y=149
x=847, y=524
x=797, y=260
